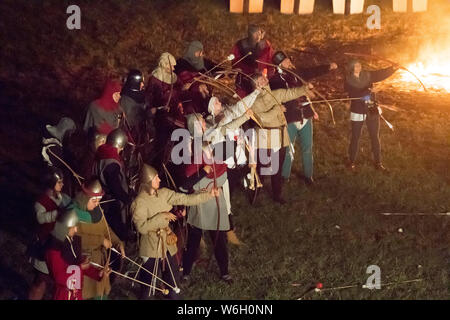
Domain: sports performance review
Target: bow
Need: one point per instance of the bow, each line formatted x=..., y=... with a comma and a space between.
x=232, y=92
x=214, y=186
x=304, y=83
x=171, y=85
x=388, y=61
x=78, y=177
x=271, y=94
x=183, y=218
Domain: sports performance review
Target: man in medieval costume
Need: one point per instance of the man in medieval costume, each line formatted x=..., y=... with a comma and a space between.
x=253, y=48
x=190, y=66
x=96, y=237
x=152, y=217
x=272, y=138
x=65, y=260
x=232, y=138
x=299, y=115
x=110, y=170
x=359, y=84
x=47, y=208
x=104, y=114
x=164, y=96
x=132, y=102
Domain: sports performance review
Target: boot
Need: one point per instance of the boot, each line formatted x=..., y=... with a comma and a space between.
x=232, y=238
x=379, y=166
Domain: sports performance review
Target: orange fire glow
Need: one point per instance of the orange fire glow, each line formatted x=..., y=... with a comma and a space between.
x=432, y=67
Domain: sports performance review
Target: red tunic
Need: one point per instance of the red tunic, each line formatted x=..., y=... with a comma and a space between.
x=45, y=228
x=193, y=168
x=265, y=55
x=58, y=268
x=158, y=94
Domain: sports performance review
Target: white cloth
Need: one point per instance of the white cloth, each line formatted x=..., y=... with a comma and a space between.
x=226, y=193
x=47, y=144
x=231, y=113
x=357, y=116
x=300, y=125
x=270, y=139
x=43, y=216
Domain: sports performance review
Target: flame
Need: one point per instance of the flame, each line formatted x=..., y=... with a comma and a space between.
x=432, y=68
x=434, y=76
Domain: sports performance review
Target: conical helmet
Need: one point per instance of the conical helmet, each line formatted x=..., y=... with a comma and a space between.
x=117, y=138
x=93, y=188
x=148, y=173
x=133, y=81
x=52, y=176
x=98, y=140
x=65, y=220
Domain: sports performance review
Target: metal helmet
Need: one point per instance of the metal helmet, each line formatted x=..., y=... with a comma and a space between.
x=148, y=173
x=133, y=81
x=93, y=188
x=65, y=220
x=52, y=176
x=99, y=139
x=117, y=138
x=279, y=57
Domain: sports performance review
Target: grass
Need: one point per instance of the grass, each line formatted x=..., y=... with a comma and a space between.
x=330, y=233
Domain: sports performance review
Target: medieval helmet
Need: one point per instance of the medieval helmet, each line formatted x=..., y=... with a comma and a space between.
x=117, y=138
x=279, y=57
x=99, y=139
x=65, y=126
x=65, y=220
x=52, y=176
x=148, y=173
x=91, y=188
x=133, y=81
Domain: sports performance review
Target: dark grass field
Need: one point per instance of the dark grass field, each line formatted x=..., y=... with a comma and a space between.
x=330, y=233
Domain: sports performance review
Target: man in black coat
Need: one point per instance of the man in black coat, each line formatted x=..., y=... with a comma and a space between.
x=299, y=115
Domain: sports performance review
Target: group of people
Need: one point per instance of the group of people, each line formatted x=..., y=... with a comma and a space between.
x=132, y=148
